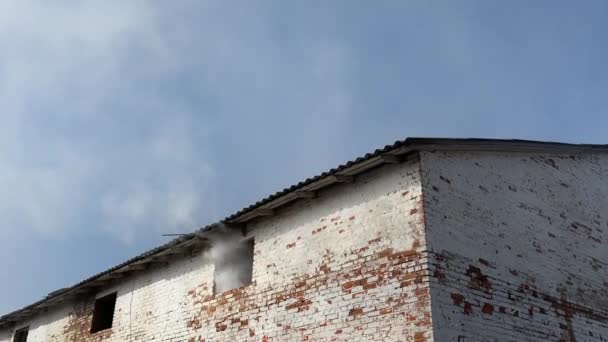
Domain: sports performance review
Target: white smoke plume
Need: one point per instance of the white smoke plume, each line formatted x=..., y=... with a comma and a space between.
x=232, y=256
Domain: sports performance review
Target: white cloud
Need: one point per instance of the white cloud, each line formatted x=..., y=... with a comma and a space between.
x=96, y=134
x=81, y=146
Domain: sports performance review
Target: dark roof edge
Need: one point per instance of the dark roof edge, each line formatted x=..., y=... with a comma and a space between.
x=193, y=242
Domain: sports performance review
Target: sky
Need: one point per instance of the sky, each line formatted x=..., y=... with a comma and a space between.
x=124, y=120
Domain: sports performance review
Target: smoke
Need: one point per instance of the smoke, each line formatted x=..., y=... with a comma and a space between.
x=232, y=256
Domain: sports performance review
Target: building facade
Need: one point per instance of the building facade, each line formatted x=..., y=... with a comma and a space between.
x=424, y=240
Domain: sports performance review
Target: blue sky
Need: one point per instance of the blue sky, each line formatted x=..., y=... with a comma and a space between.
x=123, y=120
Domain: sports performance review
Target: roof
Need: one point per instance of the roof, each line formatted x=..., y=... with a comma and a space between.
x=195, y=241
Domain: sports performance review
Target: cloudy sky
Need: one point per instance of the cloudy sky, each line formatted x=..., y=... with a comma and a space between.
x=123, y=120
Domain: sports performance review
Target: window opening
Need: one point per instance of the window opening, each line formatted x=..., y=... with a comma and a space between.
x=103, y=313
x=21, y=335
x=233, y=260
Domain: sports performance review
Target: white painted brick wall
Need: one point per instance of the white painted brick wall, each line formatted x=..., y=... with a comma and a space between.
x=514, y=249
x=348, y=265
x=150, y=305
x=323, y=269
x=518, y=246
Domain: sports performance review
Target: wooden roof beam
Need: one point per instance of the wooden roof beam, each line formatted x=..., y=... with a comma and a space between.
x=305, y=194
x=263, y=212
x=132, y=267
x=343, y=179
x=391, y=158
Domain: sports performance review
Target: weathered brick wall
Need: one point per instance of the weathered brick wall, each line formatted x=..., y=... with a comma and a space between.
x=149, y=306
x=50, y=325
x=519, y=246
x=347, y=265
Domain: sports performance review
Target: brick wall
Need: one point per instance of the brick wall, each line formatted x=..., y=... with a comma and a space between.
x=329, y=268
x=349, y=265
x=518, y=246
x=501, y=247
x=150, y=305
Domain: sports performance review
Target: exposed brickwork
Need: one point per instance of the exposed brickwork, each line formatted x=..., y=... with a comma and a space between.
x=518, y=246
x=79, y=324
x=345, y=302
x=459, y=247
x=349, y=265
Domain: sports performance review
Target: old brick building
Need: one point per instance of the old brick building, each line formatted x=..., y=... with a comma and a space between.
x=424, y=240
